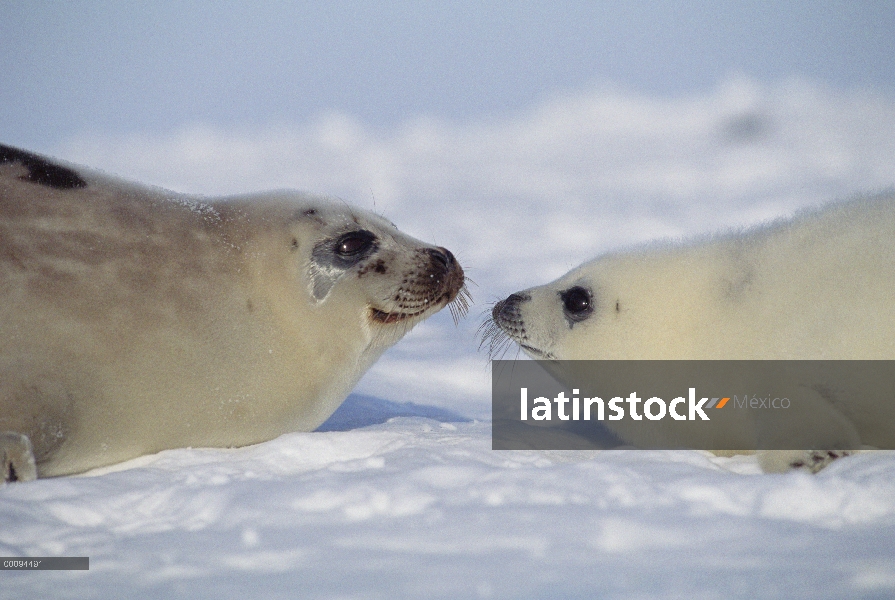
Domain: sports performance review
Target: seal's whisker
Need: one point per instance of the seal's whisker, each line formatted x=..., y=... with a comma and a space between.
x=459, y=306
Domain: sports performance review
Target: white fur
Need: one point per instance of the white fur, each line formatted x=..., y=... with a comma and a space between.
x=820, y=286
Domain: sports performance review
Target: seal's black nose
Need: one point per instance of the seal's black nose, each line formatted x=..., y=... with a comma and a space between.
x=507, y=310
x=443, y=256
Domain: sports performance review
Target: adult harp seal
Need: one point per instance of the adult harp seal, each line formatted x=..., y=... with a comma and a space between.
x=134, y=319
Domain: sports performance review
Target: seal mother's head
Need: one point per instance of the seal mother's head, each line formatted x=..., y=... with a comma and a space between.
x=195, y=321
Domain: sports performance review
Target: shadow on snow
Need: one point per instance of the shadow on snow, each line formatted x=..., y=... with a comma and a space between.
x=360, y=411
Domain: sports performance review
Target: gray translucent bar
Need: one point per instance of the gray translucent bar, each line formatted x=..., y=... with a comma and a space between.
x=707, y=405
x=45, y=563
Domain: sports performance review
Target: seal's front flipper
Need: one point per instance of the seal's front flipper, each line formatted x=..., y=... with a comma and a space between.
x=811, y=461
x=16, y=457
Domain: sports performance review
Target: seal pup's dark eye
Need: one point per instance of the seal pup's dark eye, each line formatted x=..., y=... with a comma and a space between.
x=354, y=243
x=577, y=303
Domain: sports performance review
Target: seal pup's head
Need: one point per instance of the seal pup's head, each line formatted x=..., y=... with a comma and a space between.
x=537, y=318
x=614, y=307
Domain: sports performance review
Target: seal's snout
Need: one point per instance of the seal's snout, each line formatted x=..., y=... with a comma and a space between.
x=437, y=280
x=506, y=312
x=506, y=325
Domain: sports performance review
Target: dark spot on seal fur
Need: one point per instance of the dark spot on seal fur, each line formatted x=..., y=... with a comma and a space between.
x=378, y=266
x=40, y=171
x=249, y=306
x=294, y=245
x=310, y=213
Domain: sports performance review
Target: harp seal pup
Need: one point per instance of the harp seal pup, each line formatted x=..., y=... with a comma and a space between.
x=134, y=319
x=818, y=286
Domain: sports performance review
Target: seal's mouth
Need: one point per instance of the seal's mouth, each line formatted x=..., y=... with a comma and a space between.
x=457, y=300
x=537, y=353
x=386, y=318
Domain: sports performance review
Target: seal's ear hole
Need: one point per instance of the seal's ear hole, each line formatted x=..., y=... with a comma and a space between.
x=354, y=243
x=577, y=303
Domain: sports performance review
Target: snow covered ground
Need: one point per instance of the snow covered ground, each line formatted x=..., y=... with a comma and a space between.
x=399, y=494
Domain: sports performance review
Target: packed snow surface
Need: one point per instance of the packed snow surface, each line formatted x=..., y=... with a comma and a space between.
x=399, y=494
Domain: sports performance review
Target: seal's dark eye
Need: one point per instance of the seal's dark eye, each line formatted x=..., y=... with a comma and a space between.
x=577, y=303
x=354, y=243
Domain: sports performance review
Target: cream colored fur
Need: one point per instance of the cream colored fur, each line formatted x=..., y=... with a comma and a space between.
x=133, y=319
x=819, y=286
